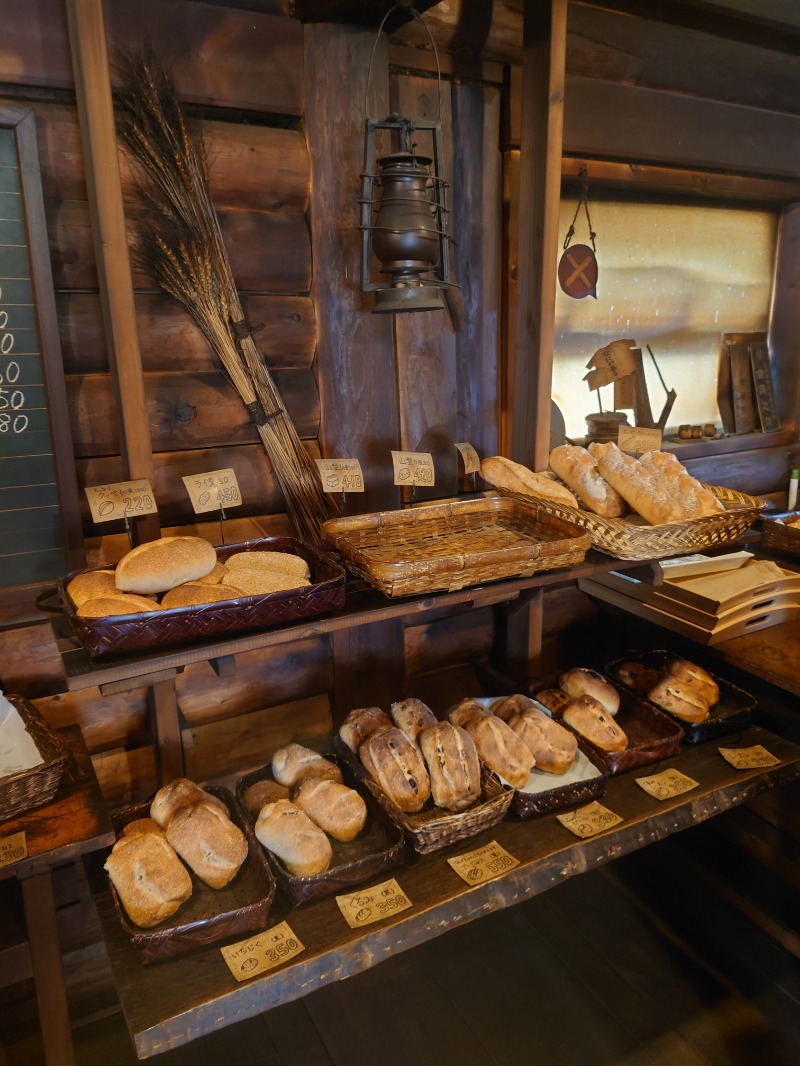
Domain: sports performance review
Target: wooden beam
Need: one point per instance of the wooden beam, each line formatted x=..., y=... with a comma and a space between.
x=784, y=326
x=96, y=117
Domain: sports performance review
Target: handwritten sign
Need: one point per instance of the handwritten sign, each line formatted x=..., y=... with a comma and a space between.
x=748, y=758
x=589, y=820
x=125, y=499
x=667, y=784
x=638, y=439
x=413, y=468
x=341, y=475
x=483, y=864
x=610, y=363
x=261, y=953
x=13, y=849
x=373, y=904
x=214, y=491
x=472, y=461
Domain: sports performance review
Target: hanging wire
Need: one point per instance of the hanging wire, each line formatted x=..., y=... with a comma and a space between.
x=583, y=202
x=407, y=5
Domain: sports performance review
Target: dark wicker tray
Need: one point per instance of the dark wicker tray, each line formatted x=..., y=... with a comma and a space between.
x=29, y=789
x=151, y=630
x=652, y=735
x=585, y=780
x=733, y=712
x=209, y=915
x=433, y=828
x=379, y=846
x=448, y=546
x=781, y=533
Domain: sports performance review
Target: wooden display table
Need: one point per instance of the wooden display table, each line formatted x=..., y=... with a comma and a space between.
x=74, y=824
x=173, y=1002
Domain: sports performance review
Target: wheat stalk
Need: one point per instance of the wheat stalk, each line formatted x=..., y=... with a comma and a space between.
x=181, y=246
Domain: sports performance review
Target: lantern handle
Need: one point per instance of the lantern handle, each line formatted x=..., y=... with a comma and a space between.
x=410, y=6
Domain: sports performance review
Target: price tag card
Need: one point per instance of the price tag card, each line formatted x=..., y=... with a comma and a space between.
x=213, y=491
x=748, y=758
x=483, y=864
x=413, y=468
x=638, y=439
x=472, y=461
x=589, y=820
x=373, y=904
x=341, y=475
x=125, y=499
x=667, y=784
x=13, y=849
x=262, y=952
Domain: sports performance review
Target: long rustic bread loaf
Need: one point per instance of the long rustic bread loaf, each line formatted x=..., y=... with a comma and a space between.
x=679, y=699
x=553, y=747
x=453, y=766
x=695, y=676
x=360, y=722
x=411, y=716
x=290, y=834
x=644, y=491
x=694, y=499
x=176, y=794
x=506, y=474
x=579, y=681
x=578, y=469
x=335, y=808
x=501, y=749
x=150, y=880
x=293, y=762
x=592, y=721
x=208, y=842
x=397, y=767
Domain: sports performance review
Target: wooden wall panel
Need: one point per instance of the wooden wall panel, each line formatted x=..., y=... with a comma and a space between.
x=447, y=642
x=784, y=327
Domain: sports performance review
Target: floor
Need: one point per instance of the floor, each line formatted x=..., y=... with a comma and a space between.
x=639, y=963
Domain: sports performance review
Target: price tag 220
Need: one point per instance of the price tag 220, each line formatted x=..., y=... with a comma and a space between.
x=214, y=491
x=123, y=499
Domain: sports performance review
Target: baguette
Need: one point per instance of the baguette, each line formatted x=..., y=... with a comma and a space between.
x=504, y=473
x=578, y=469
x=644, y=491
x=694, y=499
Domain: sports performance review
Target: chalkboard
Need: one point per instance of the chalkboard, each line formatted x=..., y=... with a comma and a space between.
x=40, y=533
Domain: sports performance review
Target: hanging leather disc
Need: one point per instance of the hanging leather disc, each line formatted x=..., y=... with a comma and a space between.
x=577, y=272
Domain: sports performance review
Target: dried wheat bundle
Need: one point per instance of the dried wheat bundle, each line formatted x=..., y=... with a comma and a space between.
x=181, y=246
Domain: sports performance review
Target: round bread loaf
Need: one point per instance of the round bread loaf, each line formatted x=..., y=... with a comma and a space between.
x=271, y=562
x=140, y=825
x=397, y=767
x=162, y=564
x=116, y=603
x=293, y=762
x=220, y=575
x=290, y=834
x=501, y=749
x=582, y=682
x=453, y=766
x=150, y=880
x=553, y=747
x=208, y=842
x=194, y=593
x=360, y=722
x=261, y=793
x=90, y=585
x=335, y=808
x=256, y=581
x=592, y=721
x=410, y=716
x=176, y=794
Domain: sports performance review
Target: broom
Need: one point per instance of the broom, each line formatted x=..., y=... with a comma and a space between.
x=181, y=246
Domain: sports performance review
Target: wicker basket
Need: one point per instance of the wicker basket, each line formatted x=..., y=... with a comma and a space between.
x=448, y=546
x=782, y=534
x=625, y=538
x=28, y=789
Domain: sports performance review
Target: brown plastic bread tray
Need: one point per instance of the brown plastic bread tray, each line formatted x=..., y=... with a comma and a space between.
x=151, y=630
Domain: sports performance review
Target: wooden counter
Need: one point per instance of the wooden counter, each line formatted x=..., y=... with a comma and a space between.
x=173, y=1002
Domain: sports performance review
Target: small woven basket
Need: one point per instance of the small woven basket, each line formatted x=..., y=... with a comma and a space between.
x=782, y=534
x=28, y=789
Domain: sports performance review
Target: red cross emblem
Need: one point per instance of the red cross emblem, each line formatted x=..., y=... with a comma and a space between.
x=577, y=272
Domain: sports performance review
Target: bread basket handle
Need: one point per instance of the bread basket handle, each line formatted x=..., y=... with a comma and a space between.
x=49, y=602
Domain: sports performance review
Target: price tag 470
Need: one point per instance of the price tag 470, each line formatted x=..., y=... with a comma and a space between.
x=213, y=491
x=123, y=499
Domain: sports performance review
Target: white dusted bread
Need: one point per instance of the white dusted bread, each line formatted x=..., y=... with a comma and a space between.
x=150, y=880
x=208, y=842
x=453, y=765
x=162, y=564
x=514, y=477
x=336, y=809
x=289, y=833
x=579, y=471
x=175, y=794
x=293, y=762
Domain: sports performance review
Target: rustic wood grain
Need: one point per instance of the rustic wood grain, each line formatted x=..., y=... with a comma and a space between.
x=754, y=472
x=783, y=327
x=447, y=642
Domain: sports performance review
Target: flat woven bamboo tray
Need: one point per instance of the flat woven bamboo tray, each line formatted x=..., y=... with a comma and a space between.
x=448, y=546
x=633, y=538
x=27, y=789
x=118, y=634
x=782, y=534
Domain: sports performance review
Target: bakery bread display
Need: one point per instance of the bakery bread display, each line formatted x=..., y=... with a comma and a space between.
x=453, y=766
x=504, y=473
x=208, y=842
x=360, y=722
x=289, y=833
x=411, y=716
x=579, y=681
x=293, y=762
x=677, y=686
x=592, y=721
x=90, y=585
x=500, y=749
x=694, y=676
x=150, y=880
x=465, y=710
x=507, y=706
x=578, y=469
x=162, y=564
x=335, y=808
x=192, y=593
x=270, y=562
x=397, y=767
x=176, y=794
x=113, y=603
x=552, y=746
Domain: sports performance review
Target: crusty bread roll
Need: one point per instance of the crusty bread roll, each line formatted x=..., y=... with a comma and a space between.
x=554, y=699
x=679, y=699
x=208, y=842
x=290, y=834
x=218, y=576
x=592, y=721
x=501, y=749
x=694, y=676
x=176, y=794
x=579, y=681
x=293, y=762
x=508, y=706
x=453, y=766
x=410, y=716
x=335, y=808
x=465, y=710
x=360, y=722
x=578, y=469
x=397, y=767
x=261, y=793
x=137, y=826
x=191, y=593
x=162, y=564
x=90, y=585
x=116, y=603
x=258, y=581
x=644, y=491
x=286, y=562
x=553, y=747
x=691, y=496
x=150, y=880
x=636, y=676
x=504, y=473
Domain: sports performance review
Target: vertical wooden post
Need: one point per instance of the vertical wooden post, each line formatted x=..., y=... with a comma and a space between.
x=96, y=118
x=48, y=974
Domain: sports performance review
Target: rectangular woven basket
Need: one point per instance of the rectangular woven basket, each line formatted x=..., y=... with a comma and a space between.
x=782, y=534
x=623, y=538
x=448, y=546
x=28, y=789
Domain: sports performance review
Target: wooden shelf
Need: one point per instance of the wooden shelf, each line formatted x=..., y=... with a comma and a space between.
x=173, y=1002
